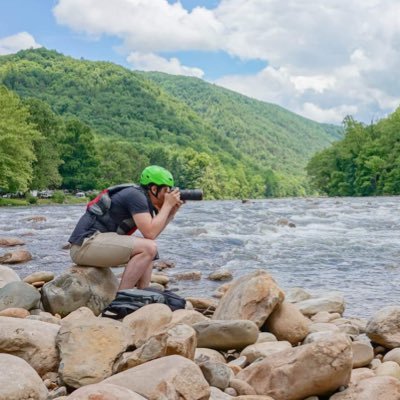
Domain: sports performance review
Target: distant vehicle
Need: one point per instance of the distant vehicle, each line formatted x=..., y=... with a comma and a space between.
x=46, y=194
x=80, y=194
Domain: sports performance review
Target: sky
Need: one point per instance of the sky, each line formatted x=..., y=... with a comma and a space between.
x=321, y=59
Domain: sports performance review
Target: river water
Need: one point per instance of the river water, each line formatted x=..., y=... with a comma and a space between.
x=350, y=245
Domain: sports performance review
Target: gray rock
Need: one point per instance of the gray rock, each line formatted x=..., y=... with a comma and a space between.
x=384, y=327
x=79, y=287
x=216, y=374
x=19, y=295
x=226, y=335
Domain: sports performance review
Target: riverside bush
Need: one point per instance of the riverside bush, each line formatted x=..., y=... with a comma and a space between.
x=59, y=197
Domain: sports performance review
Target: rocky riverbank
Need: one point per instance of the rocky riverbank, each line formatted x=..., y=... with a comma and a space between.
x=250, y=341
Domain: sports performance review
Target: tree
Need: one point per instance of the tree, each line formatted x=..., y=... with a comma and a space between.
x=47, y=148
x=17, y=137
x=80, y=168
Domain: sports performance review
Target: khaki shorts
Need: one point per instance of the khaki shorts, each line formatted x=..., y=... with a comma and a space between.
x=103, y=250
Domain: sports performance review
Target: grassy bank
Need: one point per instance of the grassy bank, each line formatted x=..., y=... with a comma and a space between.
x=39, y=202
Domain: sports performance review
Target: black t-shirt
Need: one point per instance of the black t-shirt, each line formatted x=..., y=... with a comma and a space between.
x=124, y=204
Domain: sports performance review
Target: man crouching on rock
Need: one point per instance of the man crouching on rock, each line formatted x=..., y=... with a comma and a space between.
x=102, y=236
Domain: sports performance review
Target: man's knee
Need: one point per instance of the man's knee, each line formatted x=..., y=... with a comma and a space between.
x=151, y=248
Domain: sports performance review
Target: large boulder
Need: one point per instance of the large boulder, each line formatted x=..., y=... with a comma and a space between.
x=287, y=323
x=19, y=295
x=34, y=341
x=384, y=327
x=375, y=388
x=262, y=350
x=79, y=287
x=7, y=275
x=251, y=297
x=317, y=368
x=104, y=391
x=171, y=377
x=19, y=381
x=226, y=335
x=88, y=349
x=16, y=257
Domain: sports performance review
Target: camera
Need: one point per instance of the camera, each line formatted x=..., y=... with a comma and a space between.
x=190, y=194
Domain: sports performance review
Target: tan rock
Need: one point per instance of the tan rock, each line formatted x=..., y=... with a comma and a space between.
x=181, y=340
x=296, y=294
x=384, y=327
x=363, y=354
x=14, y=313
x=322, y=327
x=188, y=317
x=200, y=303
x=256, y=397
x=266, y=337
x=36, y=218
x=16, y=257
x=160, y=279
x=358, y=374
x=262, y=350
x=170, y=377
x=104, y=391
x=188, y=276
x=324, y=316
x=160, y=265
x=252, y=297
x=40, y=276
x=393, y=355
x=388, y=368
x=226, y=335
x=332, y=302
x=221, y=275
x=203, y=354
x=376, y=388
x=326, y=362
x=148, y=321
x=287, y=323
x=241, y=387
x=19, y=381
x=33, y=341
x=88, y=349
x=10, y=241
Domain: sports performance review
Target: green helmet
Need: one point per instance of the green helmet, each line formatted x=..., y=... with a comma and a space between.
x=157, y=175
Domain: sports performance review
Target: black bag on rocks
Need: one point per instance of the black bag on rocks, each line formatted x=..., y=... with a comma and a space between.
x=129, y=300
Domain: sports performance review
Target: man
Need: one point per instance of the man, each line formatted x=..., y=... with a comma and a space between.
x=105, y=241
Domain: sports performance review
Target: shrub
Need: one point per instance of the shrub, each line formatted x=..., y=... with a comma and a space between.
x=59, y=197
x=31, y=199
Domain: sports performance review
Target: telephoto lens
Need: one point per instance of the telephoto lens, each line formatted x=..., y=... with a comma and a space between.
x=191, y=194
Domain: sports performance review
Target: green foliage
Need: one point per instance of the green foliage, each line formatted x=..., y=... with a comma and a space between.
x=101, y=124
x=17, y=137
x=59, y=197
x=364, y=163
x=31, y=199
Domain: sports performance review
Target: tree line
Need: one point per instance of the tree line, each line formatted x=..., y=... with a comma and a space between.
x=366, y=162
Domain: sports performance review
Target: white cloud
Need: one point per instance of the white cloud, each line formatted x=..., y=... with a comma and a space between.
x=153, y=62
x=20, y=41
x=324, y=58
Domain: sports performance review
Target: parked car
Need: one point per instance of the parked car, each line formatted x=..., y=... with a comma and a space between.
x=80, y=194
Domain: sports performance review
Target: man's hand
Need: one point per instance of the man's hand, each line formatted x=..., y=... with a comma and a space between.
x=173, y=200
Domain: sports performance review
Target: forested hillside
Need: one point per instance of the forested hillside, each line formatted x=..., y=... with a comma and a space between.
x=365, y=163
x=102, y=123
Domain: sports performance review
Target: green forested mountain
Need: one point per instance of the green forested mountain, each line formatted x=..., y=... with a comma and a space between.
x=365, y=163
x=102, y=123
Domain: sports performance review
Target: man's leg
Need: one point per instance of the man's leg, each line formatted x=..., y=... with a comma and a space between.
x=138, y=270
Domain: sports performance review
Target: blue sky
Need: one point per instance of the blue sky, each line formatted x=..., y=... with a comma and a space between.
x=323, y=60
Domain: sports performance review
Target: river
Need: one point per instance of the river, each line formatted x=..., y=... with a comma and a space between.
x=350, y=245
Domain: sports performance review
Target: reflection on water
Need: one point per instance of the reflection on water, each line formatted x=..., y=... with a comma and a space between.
x=351, y=245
